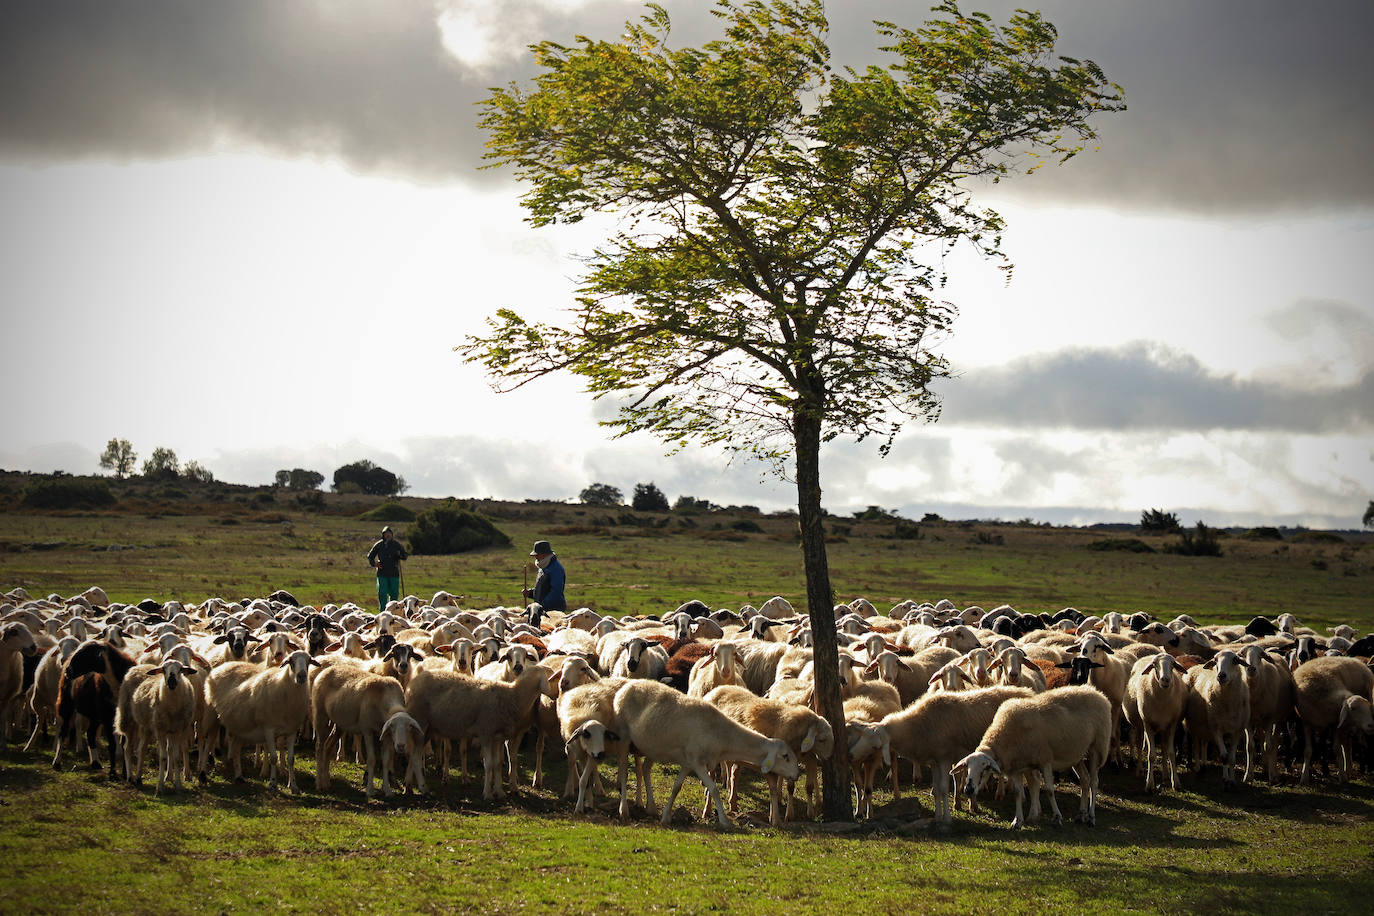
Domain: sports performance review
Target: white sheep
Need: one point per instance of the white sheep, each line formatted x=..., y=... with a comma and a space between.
x=1036, y=735
x=640, y=658
x=1010, y=669
x=808, y=735
x=1271, y=703
x=1156, y=697
x=666, y=726
x=1333, y=692
x=160, y=707
x=723, y=665
x=939, y=729
x=345, y=700
x=262, y=705
x=43, y=693
x=586, y=715
x=16, y=640
x=1219, y=709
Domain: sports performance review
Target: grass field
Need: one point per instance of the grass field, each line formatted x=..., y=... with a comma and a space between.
x=73, y=842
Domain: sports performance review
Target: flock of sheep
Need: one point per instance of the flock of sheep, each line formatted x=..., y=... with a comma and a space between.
x=978, y=697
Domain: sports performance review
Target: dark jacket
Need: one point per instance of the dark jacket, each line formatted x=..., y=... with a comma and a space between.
x=387, y=553
x=548, y=588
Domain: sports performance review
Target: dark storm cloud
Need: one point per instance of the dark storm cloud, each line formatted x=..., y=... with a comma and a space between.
x=1142, y=386
x=1235, y=105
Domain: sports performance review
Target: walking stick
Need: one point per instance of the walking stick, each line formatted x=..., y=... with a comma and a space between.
x=524, y=591
x=401, y=574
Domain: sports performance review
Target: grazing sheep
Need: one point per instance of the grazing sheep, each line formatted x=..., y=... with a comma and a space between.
x=452, y=706
x=1334, y=692
x=261, y=705
x=1219, y=709
x=667, y=726
x=356, y=702
x=939, y=729
x=1156, y=698
x=808, y=735
x=1037, y=735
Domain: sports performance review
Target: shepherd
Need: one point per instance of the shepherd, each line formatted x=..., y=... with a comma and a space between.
x=386, y=556
x=548, y=588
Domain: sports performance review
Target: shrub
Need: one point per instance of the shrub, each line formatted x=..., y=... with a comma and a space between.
x=1200, y=542
x=310, y=499
x=987, y=539
x=1130, y=545
x=68, y=493
x=649, y=498
x=600, y=494
x=1318, y=537
x=906, y=530
x=263, y=497
x=1263, y=533
x=690, y=505
x=747, y=525
x=1157, y=521
x=171, y=493
x=388, y=512
x=448, y=529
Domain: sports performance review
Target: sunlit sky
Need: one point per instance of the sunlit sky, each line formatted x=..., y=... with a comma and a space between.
x=254, y=232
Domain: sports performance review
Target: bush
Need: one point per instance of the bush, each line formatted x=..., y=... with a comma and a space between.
x=1263, y=533
x=906, y=530
x=388, y=512
x=600, y=494
x=310, y=499
x=68, y=493
x=171, y=493
x=747, y=525
x=1157, y=521
x=448, y=529
x=1200, y=542
x=1318, y=537
x=1130, y=545
x=987, y=539
x=648, y=498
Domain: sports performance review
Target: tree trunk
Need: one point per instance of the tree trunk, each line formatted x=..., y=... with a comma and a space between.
x=835, y=776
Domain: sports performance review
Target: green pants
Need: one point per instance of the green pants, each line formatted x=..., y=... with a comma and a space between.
x=388, y=588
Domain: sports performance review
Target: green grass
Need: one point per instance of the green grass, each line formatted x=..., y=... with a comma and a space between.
x=74, y=843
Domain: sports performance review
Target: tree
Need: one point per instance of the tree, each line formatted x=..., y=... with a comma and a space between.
x=600, y=494
x=119, y=456
x=1157, y=521
x=690, y=505
x=367, y=478
x=771, y=284
x=1368, y=519
x=162, y=464
x=194, y=470
x=649, y=498
x=301, y=479
x=283, y=479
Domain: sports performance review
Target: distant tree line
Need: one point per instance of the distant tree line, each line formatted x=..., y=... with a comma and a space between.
x=119, y=457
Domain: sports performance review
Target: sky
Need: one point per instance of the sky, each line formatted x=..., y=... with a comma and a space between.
x=253, y=232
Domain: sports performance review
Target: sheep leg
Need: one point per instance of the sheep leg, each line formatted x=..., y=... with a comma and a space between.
x=1306, y=755
x=512, y=746
x=1087, y=799
x=621, y=777
x=677, y=787
x=1228, y=760
x=1018, y=785
x=775, y=799
x=1150, y=748
x=164, y=752
x=539, y=760
x=584, y=781
x=732, y=781
x=1254, y=746
x=712, y=794
x=1344, y=746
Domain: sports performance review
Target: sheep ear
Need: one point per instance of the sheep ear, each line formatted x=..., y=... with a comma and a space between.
x=444, y=649
x=871, y=667
x=1064, y=665
x=1345, y=714
x=810, y=740
x=769, y=760
x=1210, y=663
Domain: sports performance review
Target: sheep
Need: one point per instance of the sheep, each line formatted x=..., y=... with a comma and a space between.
x=1156, y=697
x=1069, y=727
x=571, y=641
x=357, y=702
x=667, y=726
x=453, y=706
x=761, y=660
x=890, y=668
x=1271, y=703
x=1108, y=674
x=1012, y=671
x=584, y=712
x=1333, y=692
x=160, y=707
x=808, y=735
x=16, y=644
x=43, y=692
x=723, y=665
x=642, y=659
x=868, y=746
x=261, y=705
x=776, y=608
x=89, y=686
x=939, y=729
x=1220, y=709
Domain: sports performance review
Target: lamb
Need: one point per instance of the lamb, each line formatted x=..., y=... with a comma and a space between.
x=1333, y=692
x=808, y=735
x=1220, y=710
x=357, y=702
x=453, y=706
x=664, y=725
x=1156, y=698
x=1069, y=727
x=260, y=705
x=939, y=729
x=89, y=687
x=160, y=707
x=584, y=712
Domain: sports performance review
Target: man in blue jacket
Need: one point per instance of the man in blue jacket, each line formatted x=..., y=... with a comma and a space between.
x=548, y=588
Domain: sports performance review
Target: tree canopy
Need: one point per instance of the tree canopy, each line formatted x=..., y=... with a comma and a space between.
x=119, y=456
x=772, y=281
x=600, y=494
x=649, y=498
